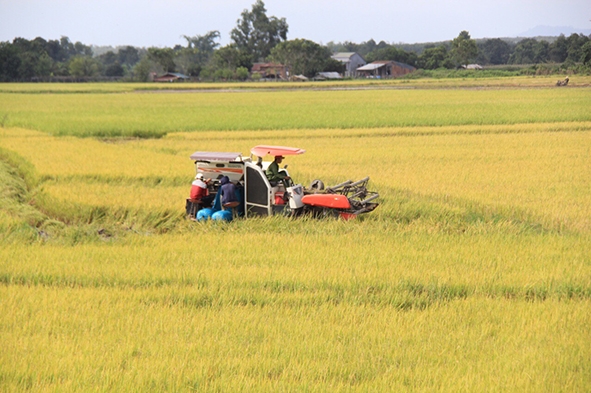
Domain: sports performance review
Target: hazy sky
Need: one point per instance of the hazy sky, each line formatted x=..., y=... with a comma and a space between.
x=145, y=23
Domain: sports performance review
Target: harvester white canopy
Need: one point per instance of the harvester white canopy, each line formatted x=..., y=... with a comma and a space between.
x=215, y=156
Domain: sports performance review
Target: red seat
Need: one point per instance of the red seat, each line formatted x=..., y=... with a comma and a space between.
x=230, y=205
x=279, y=198
x=192, y=207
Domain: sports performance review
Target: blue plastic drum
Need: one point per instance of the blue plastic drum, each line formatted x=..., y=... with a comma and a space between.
x=222, y=215
x=204, y=214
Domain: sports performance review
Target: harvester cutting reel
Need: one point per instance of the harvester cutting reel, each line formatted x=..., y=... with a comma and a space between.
x=347, y=199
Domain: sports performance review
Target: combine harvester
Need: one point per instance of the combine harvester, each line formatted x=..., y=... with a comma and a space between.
x=257, y=196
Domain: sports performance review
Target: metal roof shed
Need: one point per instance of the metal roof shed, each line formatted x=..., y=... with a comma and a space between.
x=351, y=60
x=328, y=75
x=370, y=67
x=385, y=69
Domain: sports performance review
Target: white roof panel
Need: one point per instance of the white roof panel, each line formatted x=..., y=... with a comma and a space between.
x=215, y=156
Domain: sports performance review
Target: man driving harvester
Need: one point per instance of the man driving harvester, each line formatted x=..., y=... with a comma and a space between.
x=274, y=174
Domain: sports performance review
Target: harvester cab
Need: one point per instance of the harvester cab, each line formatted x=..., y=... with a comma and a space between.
x=259, y=196
x=264, y=196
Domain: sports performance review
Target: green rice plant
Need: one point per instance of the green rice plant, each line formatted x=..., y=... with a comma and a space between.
x=154, y=115
x=421, y=79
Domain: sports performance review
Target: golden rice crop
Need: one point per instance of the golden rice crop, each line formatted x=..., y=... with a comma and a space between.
x=540, y=170
x=69, y=156
x=337, y=348
x=472, y=275
x=328, y=257
x=409, y=311
x=119, y=195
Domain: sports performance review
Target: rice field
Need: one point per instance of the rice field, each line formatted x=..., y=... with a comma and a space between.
x=474, y=273
x=139, y=114
x=469, y=80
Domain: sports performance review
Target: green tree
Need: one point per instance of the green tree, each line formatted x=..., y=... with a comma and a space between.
x=223, y=74
x=231, y=57
x=164, y=57
x=463, y=49
x=108, y=58
x=34, y=65
x=392, y=53
x=61, y=51
x=55, y=51
x=70, y=49
x=530, y=51
x=9, y=62
x=114, y=69
x=83, y=66
x=205, y=43
x=371, y=46
x=67, y=47
x=523, y=52
x=542, y=52
x=333, y=65
x=575, y=44
x=495, y=51
x=186, y=61
x=301, y=56
x=199, y=51
x=242, y=73
x=82, y=49
x=34, y=60
x=363, y=49
x=346, y=46
x=128, y=56
x=434, y=58
x=142, y=69
x=256, y=33
x=586, y=53
x=559, y=49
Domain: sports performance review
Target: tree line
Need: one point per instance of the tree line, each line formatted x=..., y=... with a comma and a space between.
x=568, y=51
x=258, y=37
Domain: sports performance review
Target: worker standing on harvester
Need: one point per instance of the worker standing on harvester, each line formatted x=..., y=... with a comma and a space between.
x=275, y=175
